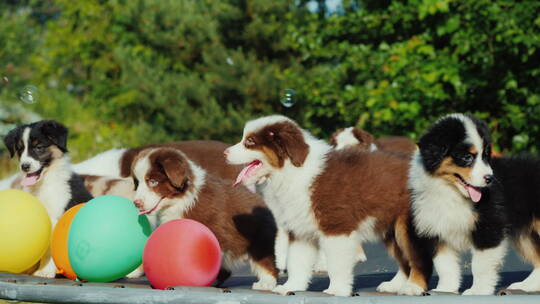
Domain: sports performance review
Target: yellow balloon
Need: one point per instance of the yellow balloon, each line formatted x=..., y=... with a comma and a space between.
x=25, y=230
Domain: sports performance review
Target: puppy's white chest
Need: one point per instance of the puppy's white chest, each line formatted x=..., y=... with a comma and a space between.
x=292, y=211
x=54, y=191
x=451, y=219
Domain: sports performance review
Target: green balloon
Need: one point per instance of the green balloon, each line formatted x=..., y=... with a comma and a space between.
x=107, y=238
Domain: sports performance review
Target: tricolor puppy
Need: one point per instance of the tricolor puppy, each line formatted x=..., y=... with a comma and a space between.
x=46, y=172
x=171, y=186
x=332, y=199
x=364, y=141
x=457, y=204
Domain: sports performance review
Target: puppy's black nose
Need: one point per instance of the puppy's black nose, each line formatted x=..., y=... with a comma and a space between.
x=25, y=167
x=488, y=178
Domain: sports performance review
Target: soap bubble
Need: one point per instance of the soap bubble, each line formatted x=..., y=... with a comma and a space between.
x=29, y=94
x=289, y=98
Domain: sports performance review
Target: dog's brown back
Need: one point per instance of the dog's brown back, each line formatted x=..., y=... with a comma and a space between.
x=208, y=154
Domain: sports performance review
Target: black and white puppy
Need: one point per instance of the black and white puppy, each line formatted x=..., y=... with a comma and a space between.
x=46, y=172
x=456, y=202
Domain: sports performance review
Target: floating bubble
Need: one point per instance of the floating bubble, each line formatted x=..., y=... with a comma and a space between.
x=5, y=79
x=289, y=98
x=29, y=94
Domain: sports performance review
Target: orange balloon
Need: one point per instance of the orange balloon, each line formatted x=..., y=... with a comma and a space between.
x=59, y=243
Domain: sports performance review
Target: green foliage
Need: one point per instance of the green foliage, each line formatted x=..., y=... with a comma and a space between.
x=125, y=73
x=394, y=67
x=165, y=66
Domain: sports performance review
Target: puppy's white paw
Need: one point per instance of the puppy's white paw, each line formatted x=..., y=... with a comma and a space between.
x=410, y=289
x=264, y=285
x=137, y=273
x=445, y=290
x=285, y=289
x=526, y=286
x=46, y=272
x=475, y=291
x=344, y=291
x=388, y=286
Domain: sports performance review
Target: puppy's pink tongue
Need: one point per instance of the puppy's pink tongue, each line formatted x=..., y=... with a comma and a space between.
x=29, y=180
x=242, y=176
x=246, y=172
x=474, y=193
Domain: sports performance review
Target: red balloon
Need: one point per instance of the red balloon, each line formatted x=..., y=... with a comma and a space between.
x=181, y=252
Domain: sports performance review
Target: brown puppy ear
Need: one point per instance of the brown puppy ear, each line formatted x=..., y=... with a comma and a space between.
x=363, y=136
x=290, y=141
x=333, y=137
x=126, y=161
x=175, y=168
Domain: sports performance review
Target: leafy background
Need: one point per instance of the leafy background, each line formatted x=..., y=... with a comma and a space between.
x=125, y=73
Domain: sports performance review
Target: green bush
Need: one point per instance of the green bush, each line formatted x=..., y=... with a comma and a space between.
x=393, y=67
x=124, y=73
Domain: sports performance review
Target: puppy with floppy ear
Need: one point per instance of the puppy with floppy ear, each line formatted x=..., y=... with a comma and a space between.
x=46, y=172
x=331, y=200
x=353, y=137
x=357, y=138
x=170, y=186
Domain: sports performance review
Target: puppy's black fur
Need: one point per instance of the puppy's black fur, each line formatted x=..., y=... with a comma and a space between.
x=520, y=179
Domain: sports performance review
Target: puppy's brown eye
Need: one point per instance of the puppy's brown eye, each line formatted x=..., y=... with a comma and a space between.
x=152, y=183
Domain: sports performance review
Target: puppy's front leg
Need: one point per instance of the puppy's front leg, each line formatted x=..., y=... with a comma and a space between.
x=300, y=262
x=341, y=254
x=47, y=268
x=448, y=269
x=281, y=248
x=485, y=269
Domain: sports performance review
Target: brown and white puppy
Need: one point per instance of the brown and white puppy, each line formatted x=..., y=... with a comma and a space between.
x=114, y=165
x=332, y=199
x=364, y=141
x=171, y=186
